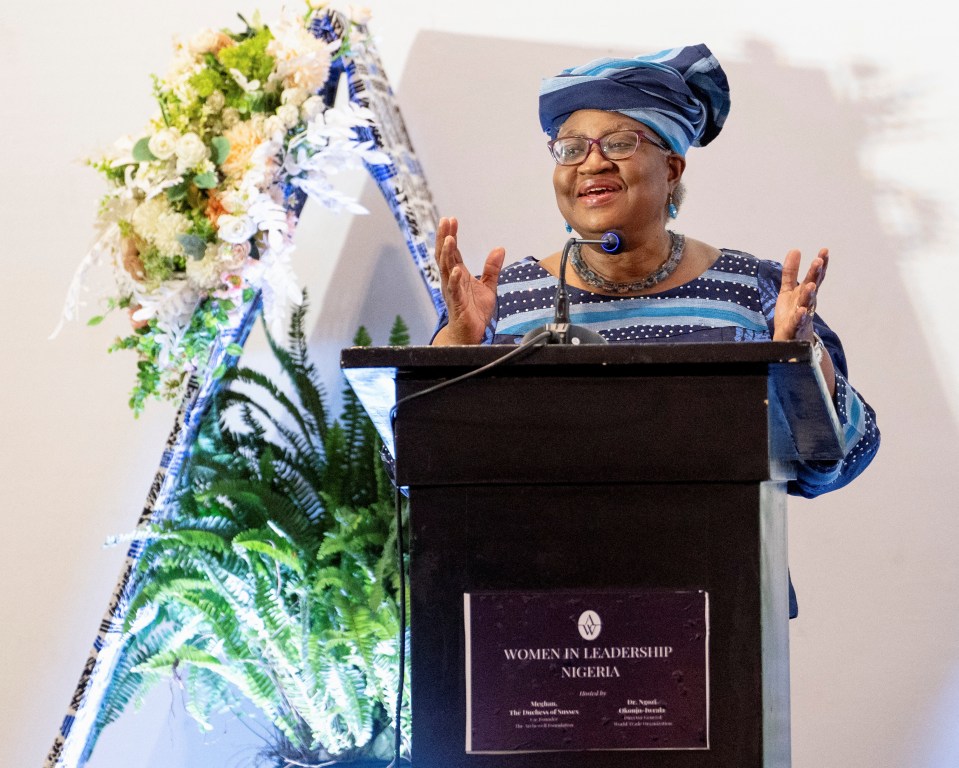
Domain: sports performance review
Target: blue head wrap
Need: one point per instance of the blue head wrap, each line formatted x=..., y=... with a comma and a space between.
x=681, y=93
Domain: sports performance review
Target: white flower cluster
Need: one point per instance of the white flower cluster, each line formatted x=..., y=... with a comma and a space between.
x=155, y=221
x=236, y=178
x=302, y=60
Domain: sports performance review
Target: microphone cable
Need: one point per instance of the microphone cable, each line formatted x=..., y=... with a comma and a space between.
x=536, y=341
x=397, y=727
x=527, y=345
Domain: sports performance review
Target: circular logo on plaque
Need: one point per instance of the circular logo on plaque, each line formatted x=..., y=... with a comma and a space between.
x=590, y=625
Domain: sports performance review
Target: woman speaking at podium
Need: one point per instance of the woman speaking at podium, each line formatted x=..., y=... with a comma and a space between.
x=619, y=130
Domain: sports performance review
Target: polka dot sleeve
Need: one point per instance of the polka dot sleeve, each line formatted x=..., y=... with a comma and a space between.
x=857, y=420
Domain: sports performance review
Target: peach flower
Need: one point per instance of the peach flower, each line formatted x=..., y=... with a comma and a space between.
x=244, y=138
x=210, y=41
x=214, y=208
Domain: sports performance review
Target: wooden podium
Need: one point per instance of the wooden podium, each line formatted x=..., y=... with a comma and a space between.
x=614, y=469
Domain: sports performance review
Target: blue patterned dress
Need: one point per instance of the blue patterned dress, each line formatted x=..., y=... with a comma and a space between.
x=733, y=300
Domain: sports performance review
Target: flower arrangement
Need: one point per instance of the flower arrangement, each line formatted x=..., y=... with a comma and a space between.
x=201, y=209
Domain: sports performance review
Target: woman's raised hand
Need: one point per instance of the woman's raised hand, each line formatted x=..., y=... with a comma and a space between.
x=796, y=305
x=469, y=302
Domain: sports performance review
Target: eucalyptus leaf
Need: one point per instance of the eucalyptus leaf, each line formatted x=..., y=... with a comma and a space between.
x=177, y=192
x=141, y=151
x=194, y=246
x=221, y=149
x=206, y=181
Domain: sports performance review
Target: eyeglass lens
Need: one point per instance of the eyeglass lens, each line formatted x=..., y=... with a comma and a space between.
x=573, y=150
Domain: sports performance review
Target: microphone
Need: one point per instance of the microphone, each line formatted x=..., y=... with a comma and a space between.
x=561, y=330
x=612, y=242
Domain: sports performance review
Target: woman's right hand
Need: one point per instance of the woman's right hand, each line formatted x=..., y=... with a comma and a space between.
x=470, y=303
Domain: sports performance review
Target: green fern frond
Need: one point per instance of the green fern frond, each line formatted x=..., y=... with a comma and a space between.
x=272, y=577
x=264, y=543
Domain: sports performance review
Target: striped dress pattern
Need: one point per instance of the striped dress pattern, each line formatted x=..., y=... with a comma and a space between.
x=734, y=300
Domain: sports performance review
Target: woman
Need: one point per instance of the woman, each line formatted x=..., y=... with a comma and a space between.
x=619, y=133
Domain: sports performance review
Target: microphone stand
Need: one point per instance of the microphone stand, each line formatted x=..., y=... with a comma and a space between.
x=561, y=330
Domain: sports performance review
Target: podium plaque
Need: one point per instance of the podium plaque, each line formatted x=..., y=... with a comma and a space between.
x=565, y=671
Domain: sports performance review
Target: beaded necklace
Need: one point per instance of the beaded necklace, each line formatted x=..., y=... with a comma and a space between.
x=588, y=276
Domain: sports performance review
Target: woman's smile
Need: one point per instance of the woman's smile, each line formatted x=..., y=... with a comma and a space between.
x=597, y=192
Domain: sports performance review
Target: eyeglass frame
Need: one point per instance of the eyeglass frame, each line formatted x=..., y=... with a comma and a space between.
x=643, y=136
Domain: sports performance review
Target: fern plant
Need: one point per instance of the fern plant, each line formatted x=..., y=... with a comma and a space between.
x=274, y=579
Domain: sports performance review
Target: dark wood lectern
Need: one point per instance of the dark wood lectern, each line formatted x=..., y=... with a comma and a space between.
x=632, y=469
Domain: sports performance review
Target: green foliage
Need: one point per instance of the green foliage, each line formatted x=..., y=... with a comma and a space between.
x=159, y=266
x=399, y=333
x=208, y=80
x=206, y=180
x=274, y=579
x=141, y=151
x=193, y=351
x=249, y=57
x=221, y=149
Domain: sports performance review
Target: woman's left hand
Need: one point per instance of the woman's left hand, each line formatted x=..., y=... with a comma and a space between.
x=796, y=305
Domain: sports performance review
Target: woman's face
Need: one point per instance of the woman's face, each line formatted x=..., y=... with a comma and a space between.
x=599, y=194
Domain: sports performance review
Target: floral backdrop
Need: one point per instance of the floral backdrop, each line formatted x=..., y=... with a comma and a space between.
x=202, y=204
x=197, y=226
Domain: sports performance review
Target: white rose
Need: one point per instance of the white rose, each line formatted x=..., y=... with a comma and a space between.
x=294, y=96
x=163, y=143
x=235, y=229
x=275, y=124
x=312, y=107
x=289, y=114
x=230, y=117
x=204, y=273
x=190, y=151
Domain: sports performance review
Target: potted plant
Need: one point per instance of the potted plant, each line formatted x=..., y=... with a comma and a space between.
x=273, y=581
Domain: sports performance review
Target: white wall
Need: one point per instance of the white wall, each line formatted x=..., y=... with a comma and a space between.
x=838, y=136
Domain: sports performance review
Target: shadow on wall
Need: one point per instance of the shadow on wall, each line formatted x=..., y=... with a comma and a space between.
x=871, y=562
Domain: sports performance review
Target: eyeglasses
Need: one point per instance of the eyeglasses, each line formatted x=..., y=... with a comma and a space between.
x=618, y=145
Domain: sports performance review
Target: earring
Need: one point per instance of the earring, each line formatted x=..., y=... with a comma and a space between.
x=671, y=207
x=568, y=227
